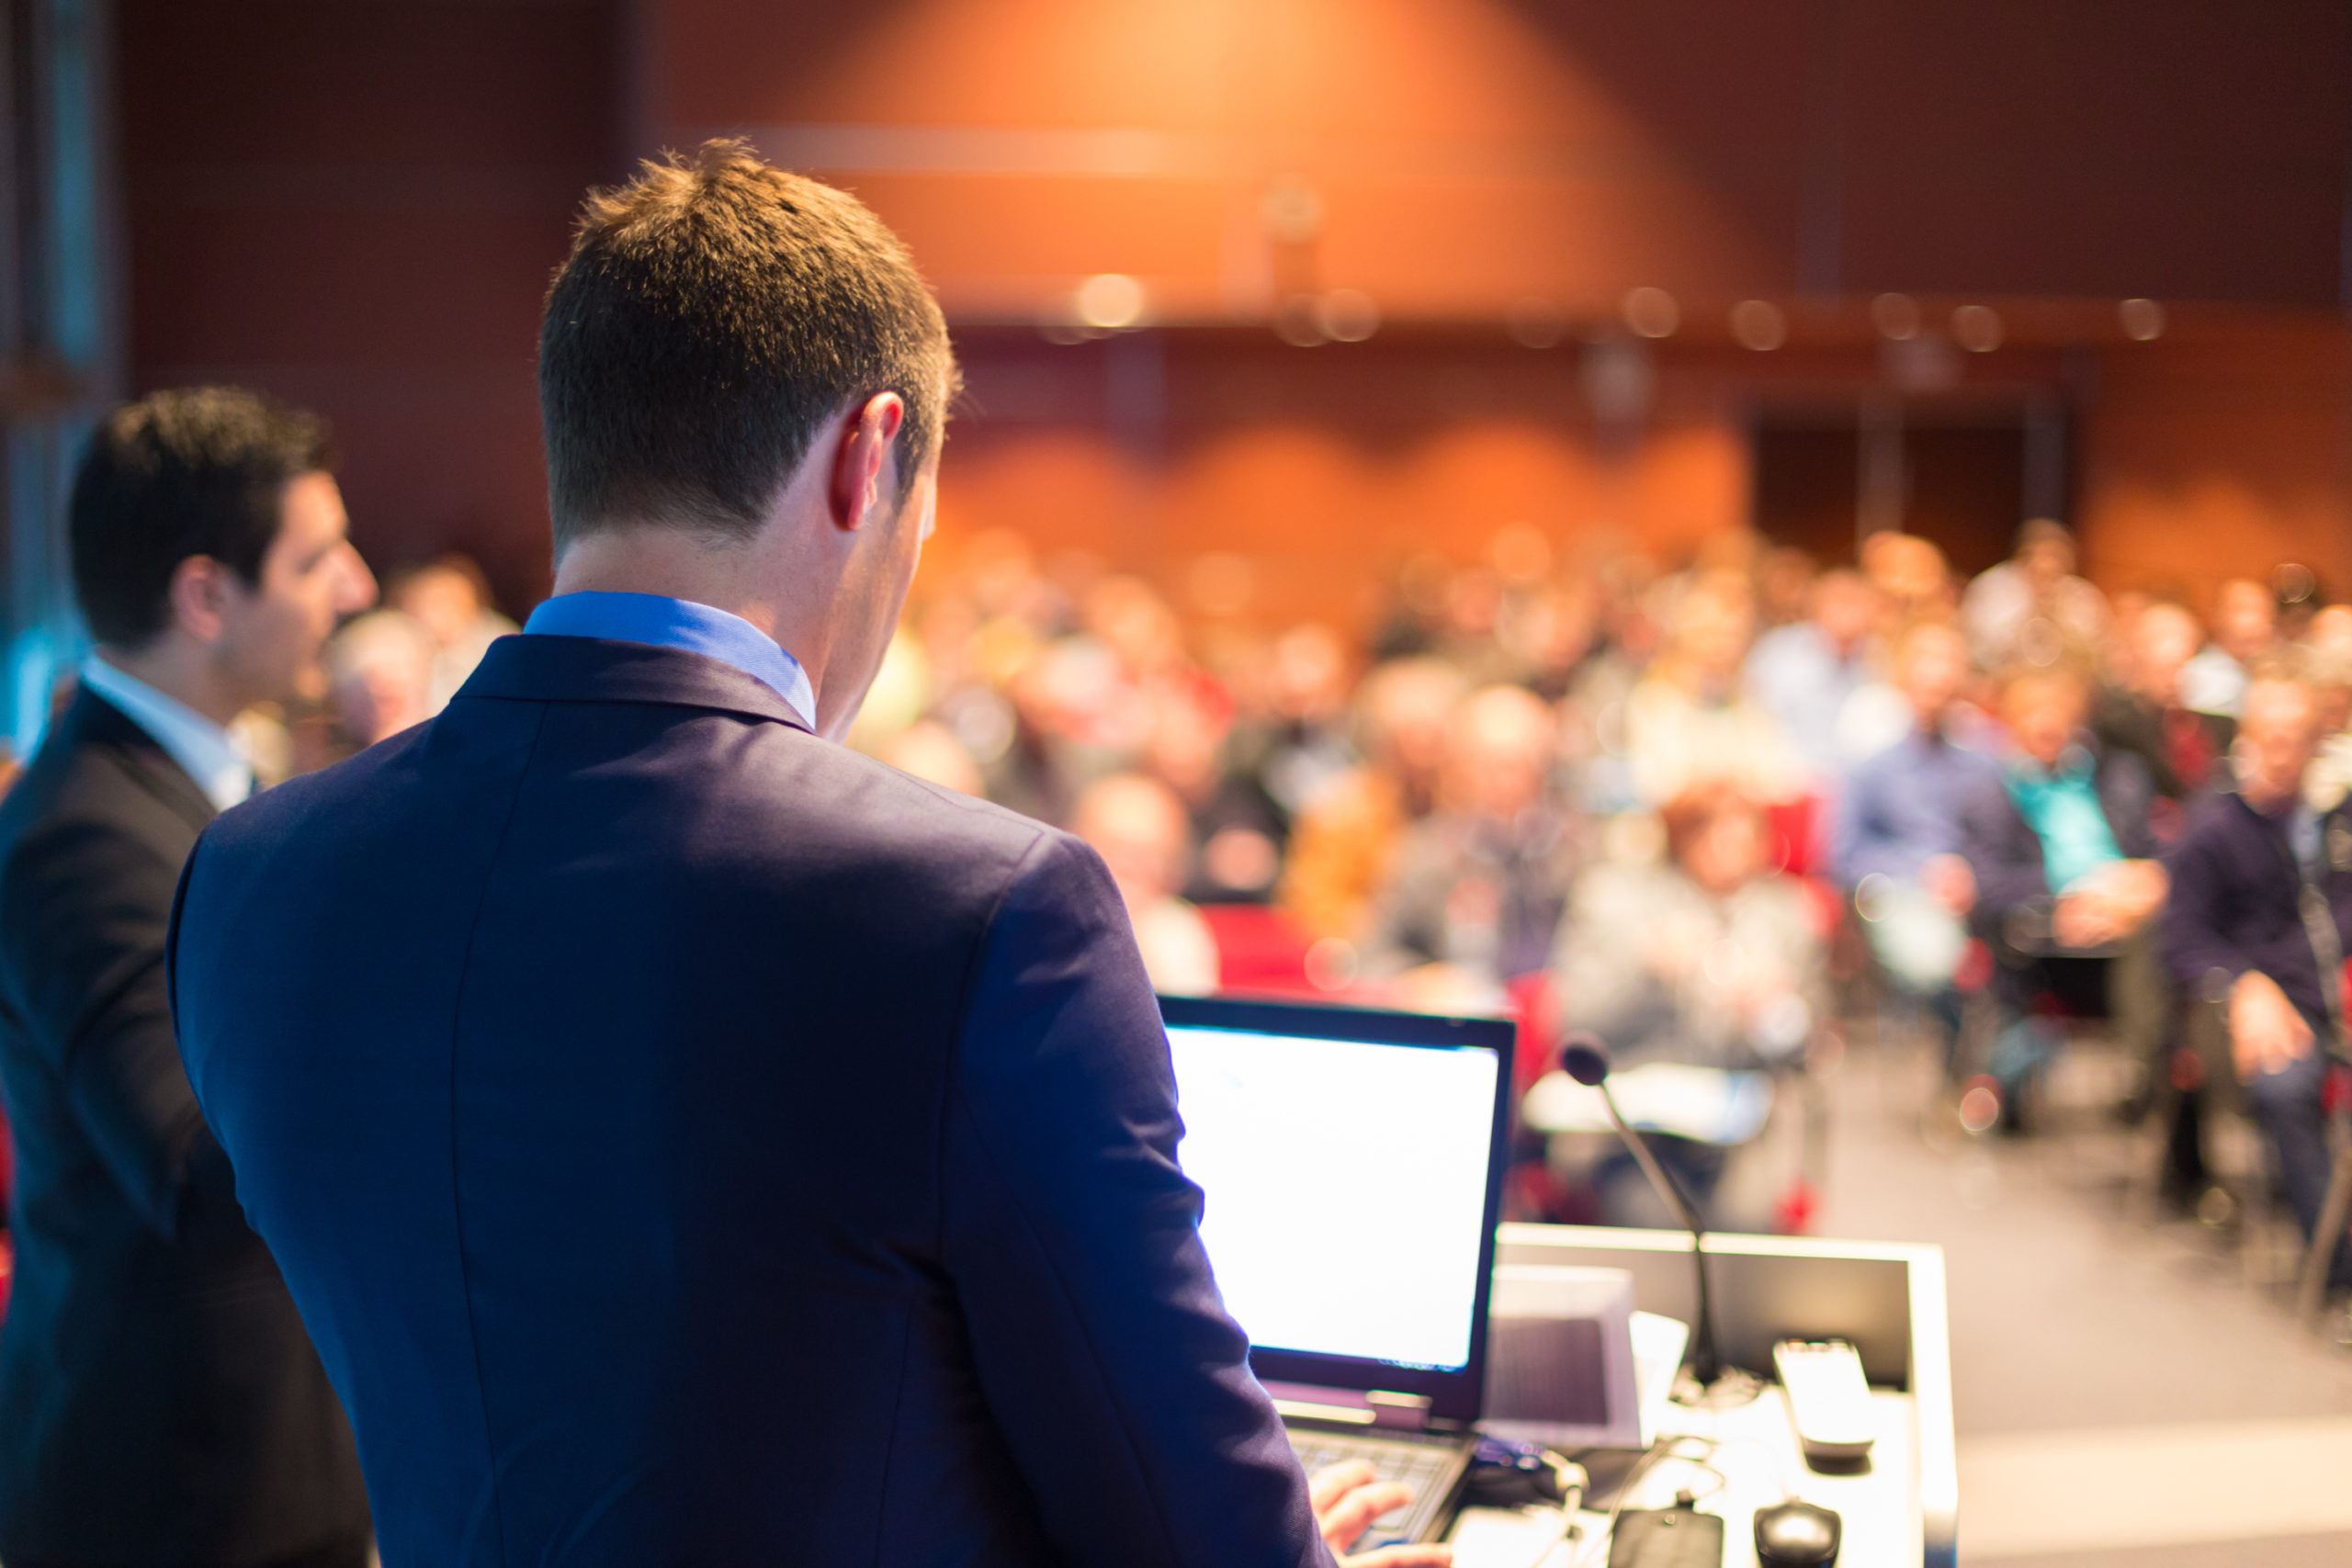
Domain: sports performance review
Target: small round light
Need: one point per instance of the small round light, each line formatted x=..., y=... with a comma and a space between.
x=1331, y=964
x=1652, y=312
x=1350, y=315
x=1897, y=316
x=1977, y=328
x=1109, y=301
x=1758, y=324
x=1298, y=321
x=2143, y=320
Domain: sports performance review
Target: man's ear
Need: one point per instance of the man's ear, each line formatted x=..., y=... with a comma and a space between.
x=862, y=457
x=197, y=601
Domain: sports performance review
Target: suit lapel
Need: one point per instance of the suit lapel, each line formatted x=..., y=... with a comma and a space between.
x=100, y=722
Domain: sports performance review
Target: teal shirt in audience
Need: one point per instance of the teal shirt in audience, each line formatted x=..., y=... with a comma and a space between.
x=2063, y=808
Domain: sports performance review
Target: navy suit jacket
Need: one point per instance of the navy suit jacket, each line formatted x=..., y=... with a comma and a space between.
x=691, y=1142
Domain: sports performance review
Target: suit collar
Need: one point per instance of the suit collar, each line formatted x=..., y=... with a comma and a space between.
x=550, y=668
x=93, y=721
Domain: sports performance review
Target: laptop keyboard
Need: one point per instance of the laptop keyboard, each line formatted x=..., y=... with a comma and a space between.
x=1421, y=1466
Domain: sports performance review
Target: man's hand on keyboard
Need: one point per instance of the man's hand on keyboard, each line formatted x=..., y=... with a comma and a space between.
x=1348, y=1496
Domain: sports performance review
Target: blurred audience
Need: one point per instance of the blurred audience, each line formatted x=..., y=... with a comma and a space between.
x=1710, y=959
x=1140, y=830
x=2245, y=626
x=1590, y=785
x=380, y=675
x=2032, y=609
x=1816, y=676
x=932, y=752
x=1344, y=842
x=1898, y=847
x=2184, y=749
x=1479, y=884
x=2261, y=895
x=1910, y=573
x=2063, y=859
x=450, y=598
x=1689, y=720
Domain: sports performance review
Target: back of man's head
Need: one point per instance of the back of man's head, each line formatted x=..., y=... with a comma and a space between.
x=713, y=314
x=199, y=471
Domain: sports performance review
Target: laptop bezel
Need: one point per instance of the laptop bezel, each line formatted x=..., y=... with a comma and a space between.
x=1454, y=1396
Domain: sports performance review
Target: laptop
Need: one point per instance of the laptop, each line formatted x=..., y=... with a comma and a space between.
x=1352, y=1161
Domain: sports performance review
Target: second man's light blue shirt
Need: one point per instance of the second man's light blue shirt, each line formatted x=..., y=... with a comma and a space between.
x=683, y=624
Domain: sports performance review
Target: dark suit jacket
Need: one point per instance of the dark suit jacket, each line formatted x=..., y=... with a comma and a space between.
x=692, y=1142
x=2014, y=899
x=2236, y=904
x=159, y=1401
x=2125, y=722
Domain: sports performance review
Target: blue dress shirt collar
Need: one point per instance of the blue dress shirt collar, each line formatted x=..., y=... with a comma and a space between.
x=205, y=751
x=682, y=623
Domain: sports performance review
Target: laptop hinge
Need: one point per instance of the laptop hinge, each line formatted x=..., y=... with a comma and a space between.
x=1376, y=1408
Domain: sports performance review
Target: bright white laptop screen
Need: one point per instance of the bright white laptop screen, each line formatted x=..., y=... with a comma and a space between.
x=1346, y=1185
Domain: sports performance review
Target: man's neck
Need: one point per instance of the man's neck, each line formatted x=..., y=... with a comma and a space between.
x=180, y=672
x=677, y=565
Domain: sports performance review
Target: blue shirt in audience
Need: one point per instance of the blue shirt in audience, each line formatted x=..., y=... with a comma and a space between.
x=1902, y=807
x=1797, y=677
x=2062, y=808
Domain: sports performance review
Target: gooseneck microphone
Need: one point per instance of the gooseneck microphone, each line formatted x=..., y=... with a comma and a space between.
x=1584, y=1058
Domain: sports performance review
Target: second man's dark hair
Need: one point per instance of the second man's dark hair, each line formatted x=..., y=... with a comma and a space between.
x=197, y=471
x=715, y=313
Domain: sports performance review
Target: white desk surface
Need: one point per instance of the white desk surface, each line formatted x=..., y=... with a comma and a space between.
x=1757, y=1455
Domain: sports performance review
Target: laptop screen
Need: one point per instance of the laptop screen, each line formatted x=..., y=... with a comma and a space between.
x=1349, y=1183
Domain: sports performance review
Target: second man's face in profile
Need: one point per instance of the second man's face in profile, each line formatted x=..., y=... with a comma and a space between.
x=310, y=579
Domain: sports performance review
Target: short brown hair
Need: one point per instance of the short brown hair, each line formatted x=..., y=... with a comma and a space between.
x=714, y=313
x=194, y=471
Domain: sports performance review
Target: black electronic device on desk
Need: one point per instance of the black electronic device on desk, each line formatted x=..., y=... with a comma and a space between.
x=1680, y=1536
x=1352, y=1161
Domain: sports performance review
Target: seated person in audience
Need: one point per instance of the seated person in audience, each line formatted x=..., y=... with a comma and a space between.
x=1479, y=884
x=1808, y=674
x=379, y=672
x=1342, y=840
x=1689, y=719
x=1143, y=834
x=932, y=752
x=2242, y=930
x=2246, y=628
x=2065, y=869
x=1910, y=573
x=1300, y=747
x=2184, y=751
x=451, y=598
x=1237, y=827
x=1897, y=845
x=2032, y=608
x=1710, y=958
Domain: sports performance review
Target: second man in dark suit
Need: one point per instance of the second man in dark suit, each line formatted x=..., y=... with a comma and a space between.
x=160, y=1403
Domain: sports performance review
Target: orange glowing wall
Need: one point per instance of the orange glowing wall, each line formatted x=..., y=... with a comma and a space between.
x=356, y=207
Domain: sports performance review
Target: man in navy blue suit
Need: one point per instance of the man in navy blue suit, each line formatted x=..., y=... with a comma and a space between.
x=687, y=1140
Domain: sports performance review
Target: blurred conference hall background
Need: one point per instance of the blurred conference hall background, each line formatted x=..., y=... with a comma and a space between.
x=1460, y=501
